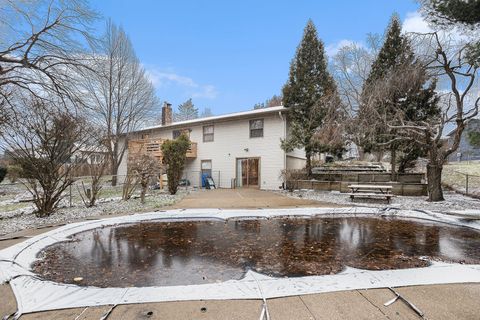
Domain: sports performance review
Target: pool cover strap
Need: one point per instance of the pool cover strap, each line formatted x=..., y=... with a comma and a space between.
x=34, y=294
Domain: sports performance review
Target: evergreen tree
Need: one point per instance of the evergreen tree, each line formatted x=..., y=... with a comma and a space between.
x=307, y=94
x=207, y=112
x=457, y=13
x=186, y=111
x=449, y=12
x=395, y=52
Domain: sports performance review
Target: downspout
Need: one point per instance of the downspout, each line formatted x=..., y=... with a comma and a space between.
x=284, y=120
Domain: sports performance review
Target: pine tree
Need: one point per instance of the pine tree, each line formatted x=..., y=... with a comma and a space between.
x=395, y=52
x=451, y=12
x=207, y=112
x=186, y=111
x=307, y=94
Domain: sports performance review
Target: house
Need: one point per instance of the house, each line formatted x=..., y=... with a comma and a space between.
x=466, y=149
x=237, y=150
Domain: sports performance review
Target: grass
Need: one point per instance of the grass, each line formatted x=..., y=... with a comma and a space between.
x=14, y=206
x=455, y=176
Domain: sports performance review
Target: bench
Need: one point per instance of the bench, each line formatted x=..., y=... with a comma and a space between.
x=370, y=191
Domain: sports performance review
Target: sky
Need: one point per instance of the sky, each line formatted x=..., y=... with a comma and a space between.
x=229, y=55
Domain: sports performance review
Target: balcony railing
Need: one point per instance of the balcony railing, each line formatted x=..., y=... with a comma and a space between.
x=154, y=148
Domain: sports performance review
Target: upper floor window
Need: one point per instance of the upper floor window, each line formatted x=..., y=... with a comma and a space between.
x=208, y=133
x=256, y=128
x=177, y=133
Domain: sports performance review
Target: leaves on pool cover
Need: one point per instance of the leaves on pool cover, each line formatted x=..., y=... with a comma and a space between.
x=177, y=253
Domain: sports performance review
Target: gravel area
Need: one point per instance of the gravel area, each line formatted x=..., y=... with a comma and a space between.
x=20, y=219
x=453, y=202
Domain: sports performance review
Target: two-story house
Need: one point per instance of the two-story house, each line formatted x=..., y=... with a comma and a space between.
x=238, y=150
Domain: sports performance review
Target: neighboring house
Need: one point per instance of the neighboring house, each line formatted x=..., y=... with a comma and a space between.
x=238, y=150
x=466, y=151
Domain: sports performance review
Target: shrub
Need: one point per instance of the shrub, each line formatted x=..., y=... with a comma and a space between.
x=290, y=175
x=14, y=172
x=3, y=173
x=174, y=157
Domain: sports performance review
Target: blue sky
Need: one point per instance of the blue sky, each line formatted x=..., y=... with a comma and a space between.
x=228, y=55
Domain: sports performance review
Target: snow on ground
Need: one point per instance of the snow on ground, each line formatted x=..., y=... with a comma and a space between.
x=23, y=218
x=454, y=203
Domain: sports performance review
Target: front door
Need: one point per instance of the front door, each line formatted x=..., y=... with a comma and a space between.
x=248, y=174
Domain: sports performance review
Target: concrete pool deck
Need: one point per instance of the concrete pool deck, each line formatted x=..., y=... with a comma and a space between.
x=457, y=301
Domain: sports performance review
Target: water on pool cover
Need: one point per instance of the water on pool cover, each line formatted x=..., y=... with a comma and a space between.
x=181, y=253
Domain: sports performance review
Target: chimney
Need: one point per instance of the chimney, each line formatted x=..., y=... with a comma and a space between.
x=166, y=113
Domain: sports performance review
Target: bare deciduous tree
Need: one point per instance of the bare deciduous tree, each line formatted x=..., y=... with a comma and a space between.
x=41, y=45
x=446, y=61
x=145, y=168
x=90, y=193
x=49, y=144
x=121, y=96
x=351, y=66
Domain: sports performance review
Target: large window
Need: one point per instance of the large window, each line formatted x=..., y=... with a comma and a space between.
x=256, y=128
x=208, y=133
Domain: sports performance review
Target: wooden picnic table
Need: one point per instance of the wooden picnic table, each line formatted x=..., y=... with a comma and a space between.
x=370, y=191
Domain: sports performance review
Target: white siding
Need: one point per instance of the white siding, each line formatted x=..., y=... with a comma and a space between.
x=295, y=163
x=231, y=138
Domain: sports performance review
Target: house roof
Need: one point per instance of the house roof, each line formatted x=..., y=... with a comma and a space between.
x=454, y=130
x=223, y=117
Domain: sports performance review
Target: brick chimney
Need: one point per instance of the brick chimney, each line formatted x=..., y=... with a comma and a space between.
x=166, y=113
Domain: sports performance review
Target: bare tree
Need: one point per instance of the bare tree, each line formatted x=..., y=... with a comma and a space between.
x=350, y=68
x=97, y=169
x=121, y=96
x=442, y=59
x=41, y=45
x=145, y=168
x=48, y=143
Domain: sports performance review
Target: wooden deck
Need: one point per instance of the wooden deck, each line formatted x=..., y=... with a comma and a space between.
x=154, y=147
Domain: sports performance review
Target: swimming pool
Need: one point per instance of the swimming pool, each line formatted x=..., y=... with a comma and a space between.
x=156, y=253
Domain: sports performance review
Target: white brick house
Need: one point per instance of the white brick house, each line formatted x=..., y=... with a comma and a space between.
x=241, y=149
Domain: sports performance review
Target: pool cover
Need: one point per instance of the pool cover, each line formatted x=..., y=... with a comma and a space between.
x=34, y=294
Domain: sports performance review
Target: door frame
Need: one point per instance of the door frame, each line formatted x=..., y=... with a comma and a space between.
x=259, y=172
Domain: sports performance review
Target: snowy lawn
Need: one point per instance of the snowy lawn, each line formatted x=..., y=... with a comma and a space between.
x=454, y=203
x=16, y=215
x=454, y=176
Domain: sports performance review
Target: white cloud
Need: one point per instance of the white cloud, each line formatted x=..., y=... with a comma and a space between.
x=414, y=22
x=161, y=79
x=333, y=48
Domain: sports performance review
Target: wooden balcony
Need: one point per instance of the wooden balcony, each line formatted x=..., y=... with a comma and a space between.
x=154, y=148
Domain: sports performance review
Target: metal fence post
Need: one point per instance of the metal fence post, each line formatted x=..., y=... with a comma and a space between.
x=466, y=184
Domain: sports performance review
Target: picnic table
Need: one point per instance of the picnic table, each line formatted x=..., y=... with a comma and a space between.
x=371, y=191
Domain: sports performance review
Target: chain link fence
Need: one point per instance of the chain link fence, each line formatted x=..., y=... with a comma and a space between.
x=465, y=183
x=15, y=195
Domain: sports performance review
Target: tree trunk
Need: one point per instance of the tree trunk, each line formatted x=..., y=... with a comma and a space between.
x=142, y=194
x=308, y=165
x=113, y=172
x=434, y=186
x=393, y=163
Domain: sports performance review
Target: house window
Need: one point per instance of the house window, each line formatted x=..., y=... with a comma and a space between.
x=177, y=133
x=256, y=128
x=208, y=133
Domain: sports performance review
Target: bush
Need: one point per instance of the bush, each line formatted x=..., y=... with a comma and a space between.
x=14, y=172
x=3, y=173
x=174, y=157
x=290, y=175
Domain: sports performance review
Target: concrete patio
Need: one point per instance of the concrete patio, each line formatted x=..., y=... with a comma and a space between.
x=457, y=301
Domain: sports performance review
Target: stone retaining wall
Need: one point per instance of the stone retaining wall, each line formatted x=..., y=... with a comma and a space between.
x=399, y=188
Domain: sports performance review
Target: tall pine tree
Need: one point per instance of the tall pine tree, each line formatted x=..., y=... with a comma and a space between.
x=394, y=53
x=307, y=94
x=186, y=111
